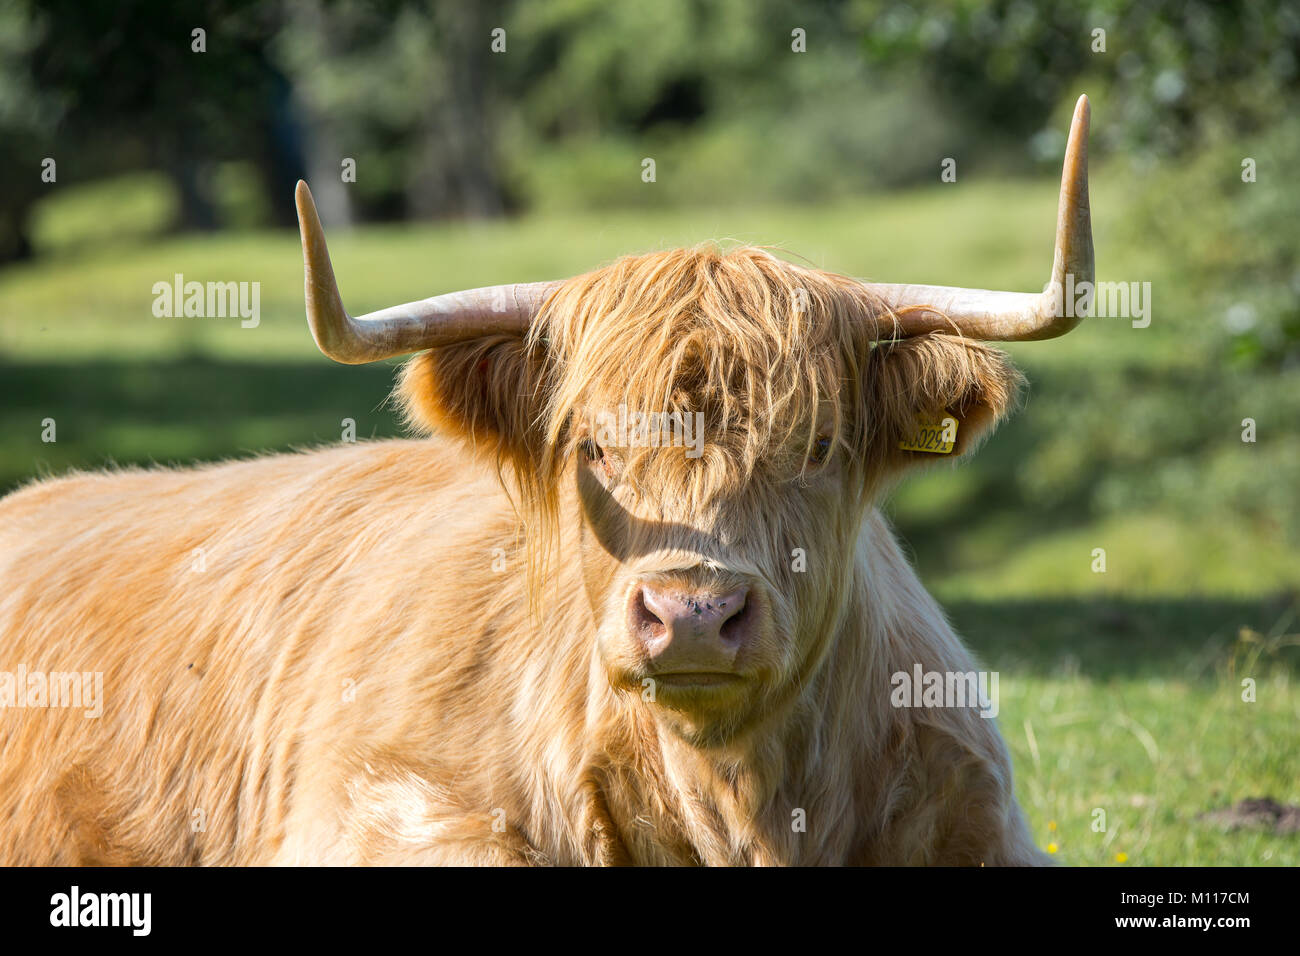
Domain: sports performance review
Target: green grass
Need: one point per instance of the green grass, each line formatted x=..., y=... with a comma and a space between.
x=1134, y=707
x=1120, y=691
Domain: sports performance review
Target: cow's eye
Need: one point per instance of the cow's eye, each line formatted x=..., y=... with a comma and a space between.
x=821, y=449
x=597, y=457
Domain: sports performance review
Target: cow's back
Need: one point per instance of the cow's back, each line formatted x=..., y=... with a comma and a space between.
x=249, y=620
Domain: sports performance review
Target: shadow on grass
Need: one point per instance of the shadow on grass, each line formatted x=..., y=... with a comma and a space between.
x=1122, y=638
x=179, y=411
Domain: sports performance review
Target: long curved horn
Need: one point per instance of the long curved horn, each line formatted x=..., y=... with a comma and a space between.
x=427, y=323
x=1015, y=316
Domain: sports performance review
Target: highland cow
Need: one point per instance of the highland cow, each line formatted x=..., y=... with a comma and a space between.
x=522, y=639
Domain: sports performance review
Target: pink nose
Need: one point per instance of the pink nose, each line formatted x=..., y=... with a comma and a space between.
x=686, y=631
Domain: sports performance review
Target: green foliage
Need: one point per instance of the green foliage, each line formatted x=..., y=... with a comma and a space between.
x=440, y=125
x=1240, y=241
x=1145, y=431
x=1172, y=71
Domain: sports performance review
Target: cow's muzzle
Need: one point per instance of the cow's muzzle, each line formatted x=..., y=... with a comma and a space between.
x=692, y=637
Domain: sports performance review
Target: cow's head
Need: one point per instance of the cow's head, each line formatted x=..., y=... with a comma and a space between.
x=706, y=430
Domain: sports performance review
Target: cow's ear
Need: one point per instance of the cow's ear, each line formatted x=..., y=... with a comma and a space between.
x=923, y=380
x=481, y=391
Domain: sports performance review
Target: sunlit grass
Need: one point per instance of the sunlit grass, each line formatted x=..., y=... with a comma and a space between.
x=1152, y=754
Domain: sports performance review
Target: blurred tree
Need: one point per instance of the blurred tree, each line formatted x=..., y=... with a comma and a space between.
x=121, y=86
x=1170, y=72
x=408, y=91
x=723, y=96
x=576, y=92
x=28, y=116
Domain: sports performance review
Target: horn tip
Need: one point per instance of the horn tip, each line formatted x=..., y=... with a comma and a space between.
x=1082, y=109
x=302, y=198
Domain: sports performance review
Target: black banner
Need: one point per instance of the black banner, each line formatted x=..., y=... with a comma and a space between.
x=931, y=907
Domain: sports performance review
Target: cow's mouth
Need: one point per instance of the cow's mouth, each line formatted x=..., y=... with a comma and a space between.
x=685, y=679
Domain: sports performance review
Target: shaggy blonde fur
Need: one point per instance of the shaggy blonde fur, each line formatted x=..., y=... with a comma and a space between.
x=331, y=657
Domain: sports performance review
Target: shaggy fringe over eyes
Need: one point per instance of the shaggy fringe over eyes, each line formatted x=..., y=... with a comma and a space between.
x=773, y=355
x=756, y=344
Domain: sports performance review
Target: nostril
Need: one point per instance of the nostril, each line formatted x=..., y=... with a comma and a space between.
x=643, y=618
x=739, y=611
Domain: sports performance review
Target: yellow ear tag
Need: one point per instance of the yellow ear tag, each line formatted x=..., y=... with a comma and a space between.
x=937, y=438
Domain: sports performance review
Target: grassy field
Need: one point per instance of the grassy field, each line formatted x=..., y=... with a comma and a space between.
x=1121, y=691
